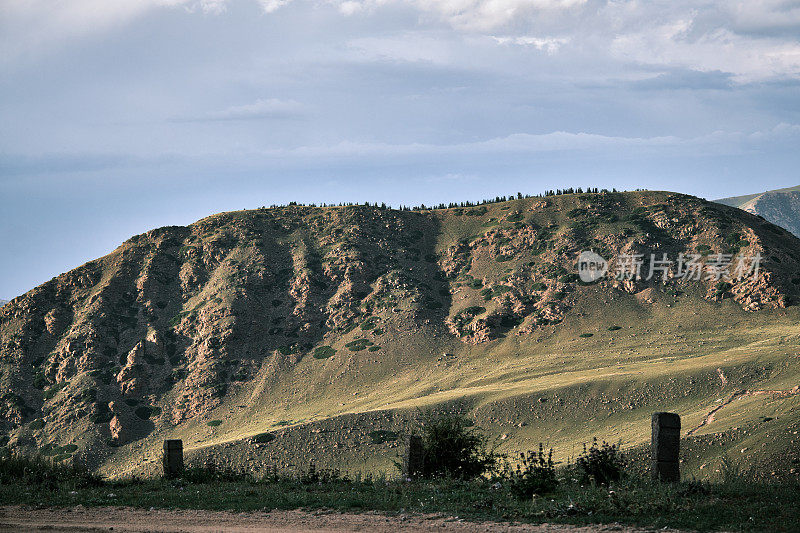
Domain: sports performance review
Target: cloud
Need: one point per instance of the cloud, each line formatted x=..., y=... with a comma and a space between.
x=682, y=79
x=269, y=108
x=547, y=44
x=751, y=40
x=557, y=141
x=34, y=26
x=576, y=145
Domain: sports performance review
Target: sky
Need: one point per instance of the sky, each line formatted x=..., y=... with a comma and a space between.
x=120, y=116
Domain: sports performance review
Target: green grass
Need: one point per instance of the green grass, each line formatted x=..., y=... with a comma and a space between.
x=735, y=505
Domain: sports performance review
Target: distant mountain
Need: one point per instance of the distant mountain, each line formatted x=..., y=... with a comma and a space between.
x=781, y=207
x=3, y=302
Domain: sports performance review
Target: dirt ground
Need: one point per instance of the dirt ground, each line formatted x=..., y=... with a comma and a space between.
x=124, y=519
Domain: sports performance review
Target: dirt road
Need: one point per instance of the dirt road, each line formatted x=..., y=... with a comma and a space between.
x=123, y=519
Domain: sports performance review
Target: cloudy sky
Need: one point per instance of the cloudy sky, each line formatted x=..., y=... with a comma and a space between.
x=120, y=116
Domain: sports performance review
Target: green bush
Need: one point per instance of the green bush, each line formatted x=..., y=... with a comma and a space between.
x=614, y=328
x=586, y=335
x=600, y=464
x=262, y=438
x=452, y=448
x=535, y=475
x=358, y=345
x=324, y=352
x=214, y=423
x=381, y=435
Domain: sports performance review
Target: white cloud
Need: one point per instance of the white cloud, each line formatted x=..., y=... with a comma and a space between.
x=213, y=7
x=260, y=109
x=270, y=6
x=547, y=44
x=752, y=40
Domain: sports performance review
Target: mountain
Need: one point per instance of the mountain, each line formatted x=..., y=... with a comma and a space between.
x=277, y=337
x=3, y=302
x=781, y=207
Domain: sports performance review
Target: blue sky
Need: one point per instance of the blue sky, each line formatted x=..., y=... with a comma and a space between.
x=123, y=116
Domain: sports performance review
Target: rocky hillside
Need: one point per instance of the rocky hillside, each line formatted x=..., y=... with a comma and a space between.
x=245, y=323
x=781, y=207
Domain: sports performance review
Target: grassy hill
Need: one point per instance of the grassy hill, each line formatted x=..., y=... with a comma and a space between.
x=276, y=337
x=781, y=207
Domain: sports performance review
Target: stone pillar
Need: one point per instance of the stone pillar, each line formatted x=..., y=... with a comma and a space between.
x=413, y=458
x=173, y=458
x=665, y=447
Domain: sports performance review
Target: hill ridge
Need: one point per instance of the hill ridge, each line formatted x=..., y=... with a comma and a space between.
x=290, y=316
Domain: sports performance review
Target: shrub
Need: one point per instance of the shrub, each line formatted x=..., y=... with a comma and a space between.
x=614, y=328
x=535, y=475
x=380, y=436
x=586, y=335
x=262, y=438
x=600, y=464
x=324, y=352
x=318, y=477
x=358, y=345
x=453, y=448
x=210, y=472
x=214, y=423
x=41, y=471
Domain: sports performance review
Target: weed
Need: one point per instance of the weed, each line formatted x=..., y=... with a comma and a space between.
x=600, y=464
x=536, y=474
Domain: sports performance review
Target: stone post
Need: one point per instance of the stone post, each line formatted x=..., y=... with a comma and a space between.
x=665, y=447
x=173, y=458
x=413, y=458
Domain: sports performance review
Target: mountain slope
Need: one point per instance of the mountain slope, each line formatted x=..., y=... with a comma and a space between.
x=273, y=336
x=781, y=207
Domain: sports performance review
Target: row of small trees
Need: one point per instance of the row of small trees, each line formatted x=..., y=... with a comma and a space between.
x=452, y=205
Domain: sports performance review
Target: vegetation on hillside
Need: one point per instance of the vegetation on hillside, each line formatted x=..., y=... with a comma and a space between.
x=324, y=326
x=736, y=504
